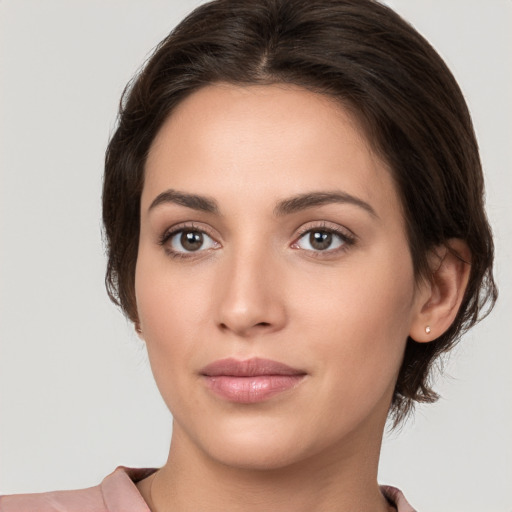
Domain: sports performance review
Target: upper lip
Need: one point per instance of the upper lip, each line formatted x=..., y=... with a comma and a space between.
x=248, y=368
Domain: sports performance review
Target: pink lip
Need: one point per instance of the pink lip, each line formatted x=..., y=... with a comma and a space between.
x=250, y=381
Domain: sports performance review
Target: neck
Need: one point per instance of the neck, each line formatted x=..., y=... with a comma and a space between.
x=342, y=479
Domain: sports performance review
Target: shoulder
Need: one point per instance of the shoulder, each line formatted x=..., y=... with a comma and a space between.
x=396, y=498
x=116, y=493
x=58, y=501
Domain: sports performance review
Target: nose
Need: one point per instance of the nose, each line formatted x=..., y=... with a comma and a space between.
x=251, y=294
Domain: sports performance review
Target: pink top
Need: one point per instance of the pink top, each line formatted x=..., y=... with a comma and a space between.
x=118, y=493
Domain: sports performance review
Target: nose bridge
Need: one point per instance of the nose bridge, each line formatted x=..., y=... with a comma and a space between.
x=251, y=292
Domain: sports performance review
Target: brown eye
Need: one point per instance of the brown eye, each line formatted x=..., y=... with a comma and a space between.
x=320, y=240
x=190, y=240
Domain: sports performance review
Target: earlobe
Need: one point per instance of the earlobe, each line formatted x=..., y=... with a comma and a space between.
x=138, y=330
x=440, y=297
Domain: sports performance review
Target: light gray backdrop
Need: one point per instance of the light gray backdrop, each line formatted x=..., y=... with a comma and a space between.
x=76, y=395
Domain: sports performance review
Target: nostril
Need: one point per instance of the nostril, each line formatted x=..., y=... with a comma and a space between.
x=225, y=327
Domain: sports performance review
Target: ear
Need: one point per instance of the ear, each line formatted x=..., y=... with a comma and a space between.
x=438, y=299
x=138, y=329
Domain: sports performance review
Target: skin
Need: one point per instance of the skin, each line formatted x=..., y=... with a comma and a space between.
x=258, y=288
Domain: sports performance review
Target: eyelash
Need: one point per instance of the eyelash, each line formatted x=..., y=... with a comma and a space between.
x=348, y=239
x=168, y=235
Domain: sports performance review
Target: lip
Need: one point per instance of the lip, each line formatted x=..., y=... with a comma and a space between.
x=251, y=380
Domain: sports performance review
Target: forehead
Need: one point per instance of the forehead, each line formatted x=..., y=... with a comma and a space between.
x=258, y=110
x=264, y=139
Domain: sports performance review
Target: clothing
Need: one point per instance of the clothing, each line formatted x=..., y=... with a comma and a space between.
x=118, y=493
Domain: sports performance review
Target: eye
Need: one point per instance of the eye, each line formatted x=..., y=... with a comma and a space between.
x=187, y=240
x=322, y=239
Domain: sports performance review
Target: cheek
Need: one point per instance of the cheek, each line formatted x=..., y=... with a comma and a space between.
x=361, y=317
x=169, y=301
x=172, y=308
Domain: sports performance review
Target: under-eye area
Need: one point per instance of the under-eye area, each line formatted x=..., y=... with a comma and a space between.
x=186, y=241
x=323, y=240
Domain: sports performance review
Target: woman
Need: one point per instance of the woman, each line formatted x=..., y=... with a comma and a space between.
x=293, y=205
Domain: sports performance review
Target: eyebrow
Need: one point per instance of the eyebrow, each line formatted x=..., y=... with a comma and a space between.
x=193, y=201
x=309, y=200
x=286, y=207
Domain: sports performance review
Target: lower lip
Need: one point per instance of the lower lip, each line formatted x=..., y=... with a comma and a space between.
x=249, y=390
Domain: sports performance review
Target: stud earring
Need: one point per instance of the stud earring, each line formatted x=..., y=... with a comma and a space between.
x=427, y=329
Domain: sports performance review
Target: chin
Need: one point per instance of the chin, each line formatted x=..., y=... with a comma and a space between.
x=262, y=444
x=255, y=455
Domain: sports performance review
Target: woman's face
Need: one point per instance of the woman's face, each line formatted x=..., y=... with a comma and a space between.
x=274, y=283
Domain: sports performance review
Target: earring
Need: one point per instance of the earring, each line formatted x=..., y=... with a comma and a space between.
x=427, y=329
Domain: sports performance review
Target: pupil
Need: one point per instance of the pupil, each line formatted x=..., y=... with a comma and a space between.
x=320, y=240
x=191, y=240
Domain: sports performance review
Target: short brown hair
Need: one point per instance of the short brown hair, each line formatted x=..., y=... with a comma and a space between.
x=368, y=58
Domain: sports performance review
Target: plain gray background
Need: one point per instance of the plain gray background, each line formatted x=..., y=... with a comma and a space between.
x=76, y=393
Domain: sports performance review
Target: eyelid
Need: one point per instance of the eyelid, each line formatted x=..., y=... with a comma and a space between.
x=191, y=225
x=324, y=225
x=348, y=237
x=169, y=233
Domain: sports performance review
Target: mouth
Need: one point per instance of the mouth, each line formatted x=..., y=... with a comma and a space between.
x=250, y=381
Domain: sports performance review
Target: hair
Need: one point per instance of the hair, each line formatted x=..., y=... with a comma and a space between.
x=365, y=56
